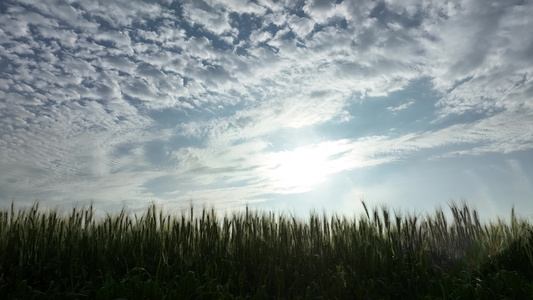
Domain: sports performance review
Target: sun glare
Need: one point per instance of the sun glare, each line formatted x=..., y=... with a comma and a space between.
x=298, y=170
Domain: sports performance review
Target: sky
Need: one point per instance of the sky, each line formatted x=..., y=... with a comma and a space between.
x=279, y=105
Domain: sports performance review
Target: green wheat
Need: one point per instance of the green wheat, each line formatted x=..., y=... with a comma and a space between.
x=377, y=255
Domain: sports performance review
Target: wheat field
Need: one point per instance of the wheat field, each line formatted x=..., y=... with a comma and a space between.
x=262, y=255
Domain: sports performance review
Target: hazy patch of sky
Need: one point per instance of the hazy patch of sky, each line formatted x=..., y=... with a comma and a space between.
x=386, y=16
x=158, y=154
x=290, y=138
x=163, y=185
x=169, y=117
x=370, y=115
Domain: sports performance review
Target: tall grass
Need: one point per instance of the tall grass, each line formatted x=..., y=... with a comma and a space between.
x=262, y=255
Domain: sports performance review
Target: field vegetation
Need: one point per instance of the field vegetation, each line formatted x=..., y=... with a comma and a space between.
x=260, y=255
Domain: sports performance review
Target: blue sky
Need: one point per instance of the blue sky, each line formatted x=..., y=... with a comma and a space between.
x=280, y=105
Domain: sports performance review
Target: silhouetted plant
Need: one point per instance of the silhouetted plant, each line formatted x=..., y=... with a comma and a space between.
x=377, y=255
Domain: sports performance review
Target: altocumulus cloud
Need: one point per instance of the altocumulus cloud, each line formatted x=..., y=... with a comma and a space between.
x=121, y=101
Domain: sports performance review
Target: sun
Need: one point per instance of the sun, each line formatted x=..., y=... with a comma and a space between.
x=298, y=170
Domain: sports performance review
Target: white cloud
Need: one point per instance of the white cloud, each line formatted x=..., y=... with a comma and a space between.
x=70, y=100
x=320, y=10
x=214, y=21
x=259, y=36
x=295, y=111
x=239, y=6
x=401, y=106
x=119, y=63
x=273, y=5
x=301, y=26
x=476, y=58
x=278, y=18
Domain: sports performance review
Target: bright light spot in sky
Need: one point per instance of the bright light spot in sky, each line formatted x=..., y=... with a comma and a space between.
x=299, y=170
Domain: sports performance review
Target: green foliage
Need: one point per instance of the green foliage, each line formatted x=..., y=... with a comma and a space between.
x=251, y=255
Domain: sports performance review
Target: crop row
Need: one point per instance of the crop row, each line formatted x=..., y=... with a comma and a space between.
x=379, y=254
